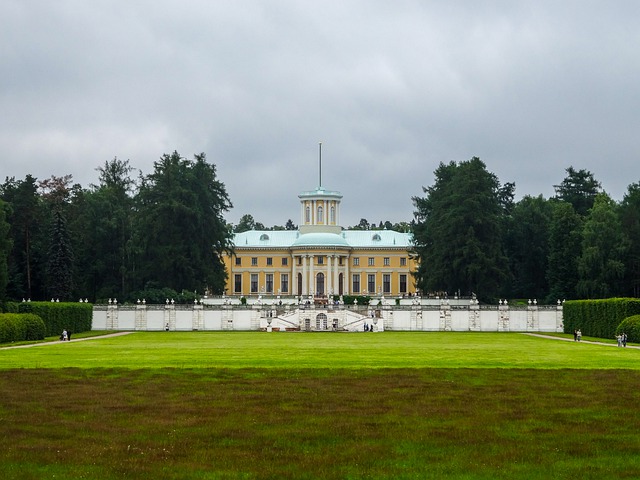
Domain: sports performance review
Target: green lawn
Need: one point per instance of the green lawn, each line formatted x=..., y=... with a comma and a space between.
x=209, y=405
x=321, y=350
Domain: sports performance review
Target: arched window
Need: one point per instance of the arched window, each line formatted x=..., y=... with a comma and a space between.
x=264, y=236
x=307, y=214
x=332, y=214
x=376, y=238
x=320, y=218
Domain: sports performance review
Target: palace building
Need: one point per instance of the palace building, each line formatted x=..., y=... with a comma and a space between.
x=320, y=258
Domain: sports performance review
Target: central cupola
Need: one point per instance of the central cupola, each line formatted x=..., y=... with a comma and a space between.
x=320, y=208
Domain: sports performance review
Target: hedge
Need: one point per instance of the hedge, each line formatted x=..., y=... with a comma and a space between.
x=598, y=318
x=58, y=316
x=18, y=327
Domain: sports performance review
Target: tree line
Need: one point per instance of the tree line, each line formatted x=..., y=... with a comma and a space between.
x=472, y=237
x=126, y=237
x=135, y=236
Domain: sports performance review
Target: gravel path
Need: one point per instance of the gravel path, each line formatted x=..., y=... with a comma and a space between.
x=551, y=337
x=73, y=340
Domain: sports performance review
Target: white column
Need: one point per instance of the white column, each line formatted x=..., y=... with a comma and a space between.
x=312, y=277
x=347, y=279
x=336, y=283
x=305, y=284
x=329, y=282
x=294, y=276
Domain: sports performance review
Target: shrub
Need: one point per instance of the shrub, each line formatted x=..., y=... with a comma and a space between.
x=630, y=326
x=17, y=327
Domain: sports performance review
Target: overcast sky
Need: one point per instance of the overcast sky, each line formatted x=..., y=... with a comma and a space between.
x=391, y=89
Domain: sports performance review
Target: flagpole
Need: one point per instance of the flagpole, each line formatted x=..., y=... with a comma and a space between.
x=320, y=165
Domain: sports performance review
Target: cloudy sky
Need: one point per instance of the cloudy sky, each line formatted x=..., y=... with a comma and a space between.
x=391, y=89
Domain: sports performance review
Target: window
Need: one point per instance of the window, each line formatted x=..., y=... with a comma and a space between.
x=264, y=237
x=284, y=282
x=238, y=261
x=372, y=261
x=285, y=261
x=403, y=262
x=387, y=261
x=320, y=215
x=254, y=261
x=340, y=261
x=376, y=237
x=269, y=261
x=269, y=281
x=254, y=283
x=332, y=214
x=386, y=283
x=371, y=283
x=237, y=283
x=356, y=262
x=320, y=260
x=299, y=260
x=403, y=283
x=356, y=283
x=307, y=214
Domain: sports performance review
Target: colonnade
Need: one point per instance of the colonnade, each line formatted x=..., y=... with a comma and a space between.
x=325, y=284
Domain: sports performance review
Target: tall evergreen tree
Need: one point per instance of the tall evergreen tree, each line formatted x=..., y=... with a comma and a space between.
x=527, y=247
x=601, y=265
x=103, y=256
x=181, y=232
x=457, y=231
x=630, y=218
x=579, y=188
x=5, y=249
x=564, y=250
x=60, y=259
x=29, y=220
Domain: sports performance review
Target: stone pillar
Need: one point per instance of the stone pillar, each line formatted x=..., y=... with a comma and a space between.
x=112, y=316
x=170, y=316
x=347, y=277
x=503, y=317
x=197, y=318
x=141, y=317
x=474, y=316
x=533, y=321
x=559, y=317
x=445, y=316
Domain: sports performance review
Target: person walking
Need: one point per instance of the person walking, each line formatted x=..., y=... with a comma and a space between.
x=575, y=335
x=579, y=334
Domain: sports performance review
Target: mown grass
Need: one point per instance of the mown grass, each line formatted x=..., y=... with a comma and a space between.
x=317, y=406
x=326, y=351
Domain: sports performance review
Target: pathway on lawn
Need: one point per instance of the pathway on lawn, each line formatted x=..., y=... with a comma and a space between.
x=551, y=337
x=73, y=340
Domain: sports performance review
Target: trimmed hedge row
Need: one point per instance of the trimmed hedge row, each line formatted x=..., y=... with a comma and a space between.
x=18, y=327
x=598, y=318
x=74, y=317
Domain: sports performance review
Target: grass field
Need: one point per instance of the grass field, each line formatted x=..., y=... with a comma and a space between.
x=288, y=405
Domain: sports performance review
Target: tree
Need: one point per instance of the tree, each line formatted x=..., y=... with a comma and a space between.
x=245, y=224
x=579, y=188
x=104, y=252
x=527, y=247
x=564, y=250
x=601, y=265
x=290, y=225
x=630, y=218
x=5, y=249
x=28, y=219
x=181, y=232
x=457, y=231
x=60, y=259
x=362, y=225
